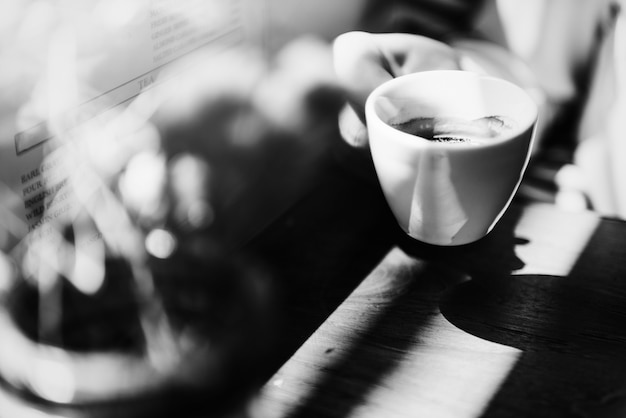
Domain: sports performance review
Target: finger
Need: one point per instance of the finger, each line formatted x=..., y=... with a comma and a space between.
x=406, y=53
x=363, y=61
x=352, y=129
x=360, y=67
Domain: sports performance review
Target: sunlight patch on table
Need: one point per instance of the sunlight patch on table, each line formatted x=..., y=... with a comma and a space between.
x=559, y=238
x=449, y=374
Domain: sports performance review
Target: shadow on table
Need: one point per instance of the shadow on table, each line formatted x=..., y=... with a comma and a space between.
x=572, y=331
x=403, y=307
x=405, y=290
x=320, y=250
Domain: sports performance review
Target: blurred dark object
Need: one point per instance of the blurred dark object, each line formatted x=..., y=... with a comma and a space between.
x=193, y=342
x=260, y=139
x=173, y=316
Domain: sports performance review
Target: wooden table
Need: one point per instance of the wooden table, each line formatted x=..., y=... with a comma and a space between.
x=529, y=321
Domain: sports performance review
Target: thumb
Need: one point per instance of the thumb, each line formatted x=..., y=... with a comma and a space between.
x=352, y=128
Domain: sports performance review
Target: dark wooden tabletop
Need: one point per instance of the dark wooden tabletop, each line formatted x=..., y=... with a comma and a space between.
x=529, y=321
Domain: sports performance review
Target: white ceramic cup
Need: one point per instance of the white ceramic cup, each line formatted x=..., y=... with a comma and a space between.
x=449, y=193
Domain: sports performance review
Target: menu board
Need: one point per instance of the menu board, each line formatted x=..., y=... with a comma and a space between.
x=71, y=61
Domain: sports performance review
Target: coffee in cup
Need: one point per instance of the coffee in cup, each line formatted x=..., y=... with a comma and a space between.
x=450, y=149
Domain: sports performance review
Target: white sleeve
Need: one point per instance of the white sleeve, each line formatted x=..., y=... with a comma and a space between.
x=601, y=154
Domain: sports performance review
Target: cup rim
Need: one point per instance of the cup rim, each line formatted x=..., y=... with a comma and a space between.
x=410, y=138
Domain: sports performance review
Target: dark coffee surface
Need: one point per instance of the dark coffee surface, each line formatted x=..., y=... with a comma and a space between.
x=456, y=130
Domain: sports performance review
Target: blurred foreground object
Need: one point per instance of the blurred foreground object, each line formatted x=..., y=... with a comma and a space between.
x=256, y=128
x=143, y=143
x=131, y=296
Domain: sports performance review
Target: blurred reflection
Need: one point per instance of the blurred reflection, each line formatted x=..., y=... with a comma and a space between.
x=128, y=189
